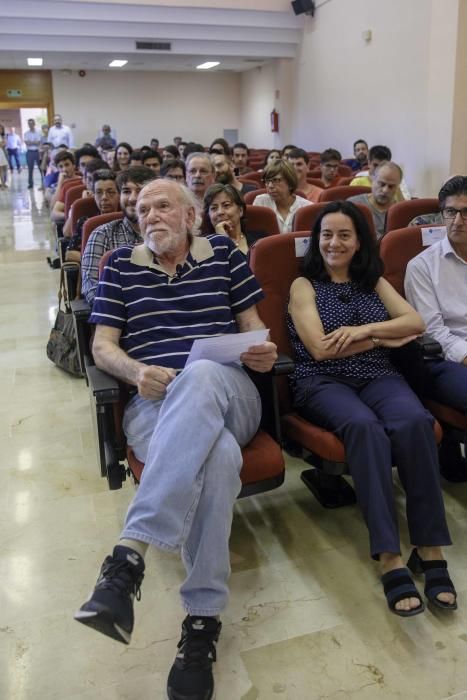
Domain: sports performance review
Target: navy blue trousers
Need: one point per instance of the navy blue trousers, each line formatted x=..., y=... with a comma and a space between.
x=32, y=157
x=382, y=422
x=446, y=382
x=13, y=155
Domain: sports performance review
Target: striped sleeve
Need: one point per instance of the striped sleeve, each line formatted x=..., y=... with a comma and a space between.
x=109, y=308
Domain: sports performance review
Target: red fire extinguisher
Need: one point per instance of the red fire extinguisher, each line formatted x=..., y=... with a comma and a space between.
x=274, y=120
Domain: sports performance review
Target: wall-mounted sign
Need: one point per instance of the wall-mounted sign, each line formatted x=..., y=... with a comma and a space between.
x=14, y=93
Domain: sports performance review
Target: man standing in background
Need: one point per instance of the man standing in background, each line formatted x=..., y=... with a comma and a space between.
x=32, y=139
x=60, y=134
x=13, y=144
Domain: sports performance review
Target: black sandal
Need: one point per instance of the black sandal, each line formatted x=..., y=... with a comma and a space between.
x=437, y=579
x=397, y=586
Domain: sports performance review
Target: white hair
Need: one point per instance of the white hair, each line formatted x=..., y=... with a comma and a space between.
x=188, y=199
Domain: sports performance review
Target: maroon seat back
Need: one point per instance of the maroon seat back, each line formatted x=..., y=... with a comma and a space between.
x=402, y=213
x=305, y=217
x=275, y=265
x=96, y=221
x=71, y=195
x=333, y=194
x=82, y=207
x=397, y=248
x=261, y=219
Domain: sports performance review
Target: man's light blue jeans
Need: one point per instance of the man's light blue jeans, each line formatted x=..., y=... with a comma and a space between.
x=191, y=444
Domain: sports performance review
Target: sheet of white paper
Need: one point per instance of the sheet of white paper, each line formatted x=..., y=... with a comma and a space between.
x=225, y=348
x=433, y=234
x=301, y=246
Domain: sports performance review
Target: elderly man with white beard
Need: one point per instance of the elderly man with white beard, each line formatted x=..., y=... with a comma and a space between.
x=151, y=303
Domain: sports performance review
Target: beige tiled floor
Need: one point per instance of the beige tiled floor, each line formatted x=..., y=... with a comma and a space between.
x=307, y=618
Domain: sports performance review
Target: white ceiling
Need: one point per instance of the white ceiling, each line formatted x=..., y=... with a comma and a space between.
x=70, y=35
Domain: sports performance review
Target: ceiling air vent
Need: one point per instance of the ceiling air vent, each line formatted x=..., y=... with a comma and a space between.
x=154, y=46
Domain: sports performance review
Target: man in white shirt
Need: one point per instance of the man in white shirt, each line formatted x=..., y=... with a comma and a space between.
x=32, y=139
x=60, y=134
x=13, y=145
x=436, y=285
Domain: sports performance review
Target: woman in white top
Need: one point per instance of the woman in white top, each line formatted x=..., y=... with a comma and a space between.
x=280, y=181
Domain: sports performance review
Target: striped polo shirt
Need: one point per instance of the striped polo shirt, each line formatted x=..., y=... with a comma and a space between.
x=161, y=315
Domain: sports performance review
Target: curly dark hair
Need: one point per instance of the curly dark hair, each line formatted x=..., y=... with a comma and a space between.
x=366, y=266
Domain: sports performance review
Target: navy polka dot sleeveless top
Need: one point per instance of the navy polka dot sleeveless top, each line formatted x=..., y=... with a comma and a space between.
x=343, y=304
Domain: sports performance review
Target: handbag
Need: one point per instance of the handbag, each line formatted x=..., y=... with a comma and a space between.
x=62, y=346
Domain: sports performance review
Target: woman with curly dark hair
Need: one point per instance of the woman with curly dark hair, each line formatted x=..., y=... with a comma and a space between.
x=343, y=320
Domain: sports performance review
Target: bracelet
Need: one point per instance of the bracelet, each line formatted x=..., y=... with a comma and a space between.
x=375, y=341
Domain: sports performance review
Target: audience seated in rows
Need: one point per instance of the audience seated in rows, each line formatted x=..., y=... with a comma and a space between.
x=240, y=153
x=434, y=285
x=152, y=159
x=87, y=179
x=360, y=160
x=280, y=181
x=64, y=162
x=285, y=151
x=81, y=157
x=224, y=213
x=122, y=156
x=299, y=160
x=329, y=163
x=121, y=232
x=377, y=155
x=170, y=152
x=385, y=182
x=225, y=173
x=106, y=198
x=174, y=169
x=344, y=318
x=271, y=157
x=192, y=147
x=221, y=146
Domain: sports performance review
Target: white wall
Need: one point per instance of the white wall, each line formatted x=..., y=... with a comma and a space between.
x=141, y=105
x=348, y=89
x=257, y=98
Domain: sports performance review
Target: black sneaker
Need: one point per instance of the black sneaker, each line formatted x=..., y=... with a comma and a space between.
x=110, y=608
x=190, y=677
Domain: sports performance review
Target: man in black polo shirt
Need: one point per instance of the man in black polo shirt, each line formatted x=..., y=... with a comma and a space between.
x=187, y=423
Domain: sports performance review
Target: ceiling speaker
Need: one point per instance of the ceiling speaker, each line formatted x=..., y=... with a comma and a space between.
x=301, y=7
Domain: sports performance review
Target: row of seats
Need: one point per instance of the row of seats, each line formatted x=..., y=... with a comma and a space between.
x=275, y=264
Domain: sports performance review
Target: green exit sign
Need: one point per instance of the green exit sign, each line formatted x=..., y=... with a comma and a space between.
x=14, y=93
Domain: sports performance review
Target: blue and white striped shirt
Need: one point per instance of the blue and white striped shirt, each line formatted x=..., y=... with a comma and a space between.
x=161, y=315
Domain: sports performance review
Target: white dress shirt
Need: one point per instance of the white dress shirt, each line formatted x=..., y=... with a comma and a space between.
x=436, y=285
x=285, y=225
x=58, y=135
x=13, y=141
x=34, y=138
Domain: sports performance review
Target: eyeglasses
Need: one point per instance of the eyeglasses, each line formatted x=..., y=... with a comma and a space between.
x=274, y=181
x=451, y=213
